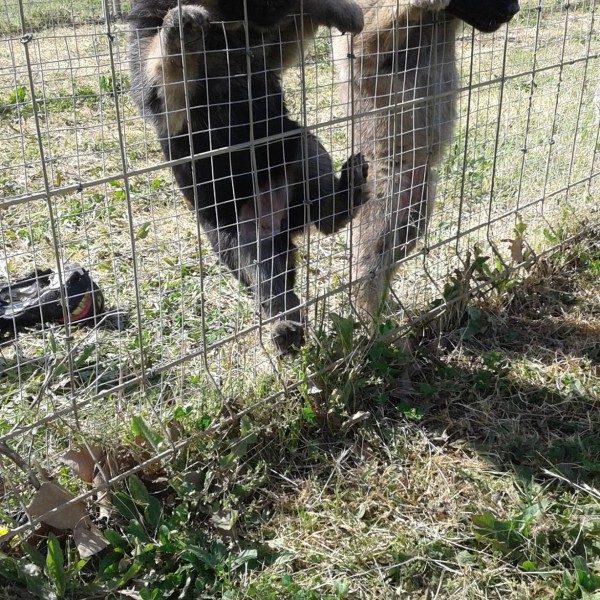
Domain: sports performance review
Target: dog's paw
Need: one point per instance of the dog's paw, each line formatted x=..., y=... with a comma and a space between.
x=287, y=336
x=356, y=171
x=194, y=20
x=347, y=17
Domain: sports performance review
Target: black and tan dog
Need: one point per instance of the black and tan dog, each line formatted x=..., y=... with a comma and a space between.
x=208, y=82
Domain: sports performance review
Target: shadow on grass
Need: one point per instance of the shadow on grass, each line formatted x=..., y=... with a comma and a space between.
x=479, y=456
x=516, y=377
x=526, y=387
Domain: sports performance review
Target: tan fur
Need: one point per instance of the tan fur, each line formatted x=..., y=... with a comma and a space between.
x=163, y=68
x=402, y=80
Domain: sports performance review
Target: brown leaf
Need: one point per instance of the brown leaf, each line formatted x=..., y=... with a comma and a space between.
x=88, y=538
x=96, y=467
x=109, y=470
x=84, y=462
x=516, y=250
x=50, y=496
x=175, y=431
x=105, y=471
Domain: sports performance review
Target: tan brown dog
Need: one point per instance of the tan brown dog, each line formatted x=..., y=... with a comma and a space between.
x=403, y=86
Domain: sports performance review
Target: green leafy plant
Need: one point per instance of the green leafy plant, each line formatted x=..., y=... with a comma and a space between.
x=579, y=583
x=54, y=566
x=16, y=97
x=158, y=550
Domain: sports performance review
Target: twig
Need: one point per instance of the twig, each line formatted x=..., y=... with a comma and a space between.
x=12, y=455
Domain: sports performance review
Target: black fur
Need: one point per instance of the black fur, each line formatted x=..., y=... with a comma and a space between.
x=484, y=15
x=235, y=187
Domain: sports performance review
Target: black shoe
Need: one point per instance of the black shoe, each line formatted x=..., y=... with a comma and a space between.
x=36, y=299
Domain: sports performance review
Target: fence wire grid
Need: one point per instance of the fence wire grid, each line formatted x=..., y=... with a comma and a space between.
x=83, y=180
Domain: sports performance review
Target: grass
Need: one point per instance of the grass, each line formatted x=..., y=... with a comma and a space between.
x=461, y=462
x=43, y=14
x=469, y=478
x=468, y=468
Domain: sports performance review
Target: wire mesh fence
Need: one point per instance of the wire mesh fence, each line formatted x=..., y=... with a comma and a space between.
x=179, y=340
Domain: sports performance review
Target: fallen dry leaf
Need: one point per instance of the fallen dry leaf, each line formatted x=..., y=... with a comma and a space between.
x=94, y=466
x=84, y=462
x=516, y=250
x=51, y=496
x=89, y=539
